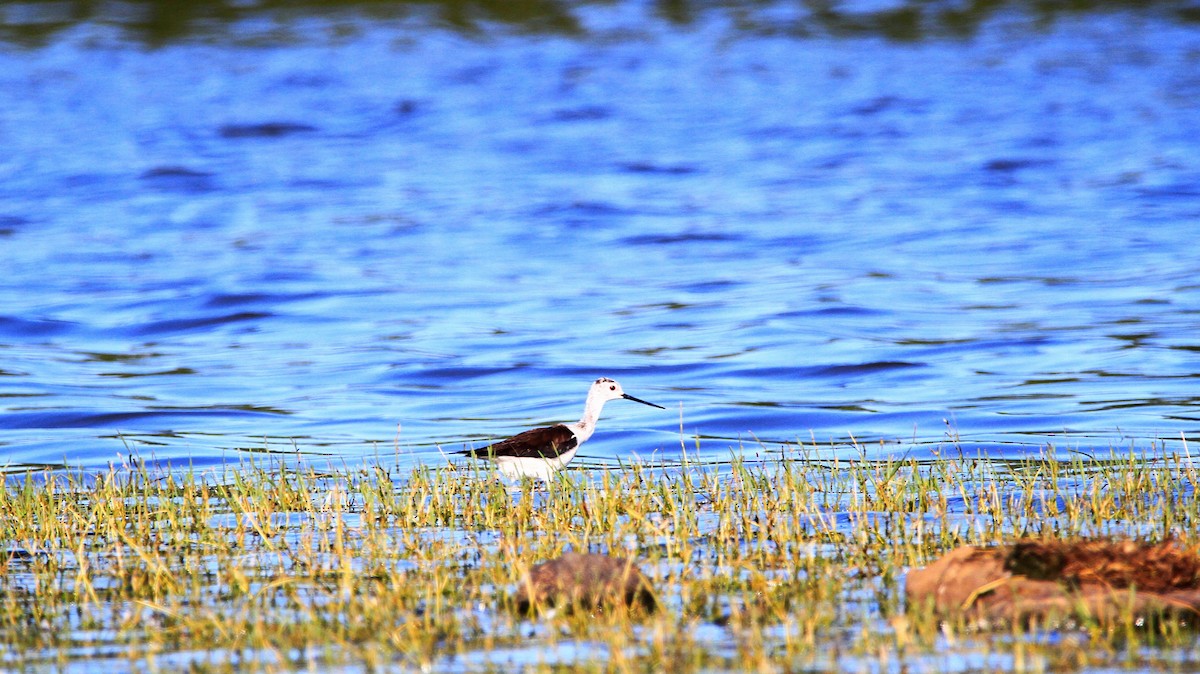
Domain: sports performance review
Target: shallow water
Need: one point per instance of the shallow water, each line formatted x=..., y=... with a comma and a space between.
x=360, y=236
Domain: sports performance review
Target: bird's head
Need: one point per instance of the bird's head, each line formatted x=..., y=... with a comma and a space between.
x=608, y=389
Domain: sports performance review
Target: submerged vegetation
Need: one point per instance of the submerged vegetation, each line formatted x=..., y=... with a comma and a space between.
x=796, y=563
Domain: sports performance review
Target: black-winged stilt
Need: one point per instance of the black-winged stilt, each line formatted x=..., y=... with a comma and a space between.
x=541, y=452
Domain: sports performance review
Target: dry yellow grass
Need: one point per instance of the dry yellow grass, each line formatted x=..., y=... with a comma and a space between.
x=774, y=566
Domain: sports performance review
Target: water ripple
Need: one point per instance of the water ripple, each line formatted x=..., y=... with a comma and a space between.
x=389, y=247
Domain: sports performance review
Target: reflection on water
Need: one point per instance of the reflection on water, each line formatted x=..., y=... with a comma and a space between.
x=161, y=23
x=375, y=231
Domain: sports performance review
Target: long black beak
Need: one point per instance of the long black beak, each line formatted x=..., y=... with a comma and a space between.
x=639, y=400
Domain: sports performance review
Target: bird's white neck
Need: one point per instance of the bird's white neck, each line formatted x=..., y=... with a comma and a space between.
x=591, y=413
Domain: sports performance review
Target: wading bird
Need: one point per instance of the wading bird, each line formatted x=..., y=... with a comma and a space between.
x=541, y=452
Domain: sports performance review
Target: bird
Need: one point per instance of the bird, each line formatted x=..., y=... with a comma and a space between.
x=540, y=453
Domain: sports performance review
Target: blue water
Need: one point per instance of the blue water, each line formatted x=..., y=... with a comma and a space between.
x=357, y=237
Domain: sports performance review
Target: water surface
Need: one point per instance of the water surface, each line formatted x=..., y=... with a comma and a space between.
x=361, y=234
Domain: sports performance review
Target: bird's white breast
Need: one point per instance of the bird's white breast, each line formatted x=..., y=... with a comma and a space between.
x=516, y=467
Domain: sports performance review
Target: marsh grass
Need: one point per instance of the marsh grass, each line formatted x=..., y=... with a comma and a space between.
x=792, y=563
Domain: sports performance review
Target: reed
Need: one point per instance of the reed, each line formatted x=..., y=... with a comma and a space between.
x=791, y=562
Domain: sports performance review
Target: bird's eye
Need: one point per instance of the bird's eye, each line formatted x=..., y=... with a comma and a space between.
x=612, y=388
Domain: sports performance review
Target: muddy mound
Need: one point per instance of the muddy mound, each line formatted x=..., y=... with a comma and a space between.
x=585, y=581
x=1040, y=580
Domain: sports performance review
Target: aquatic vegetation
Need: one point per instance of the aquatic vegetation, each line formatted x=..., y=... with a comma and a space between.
x=793, y=562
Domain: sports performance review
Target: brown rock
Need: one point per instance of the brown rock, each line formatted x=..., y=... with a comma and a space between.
x=1055, y=580
x=586, y=581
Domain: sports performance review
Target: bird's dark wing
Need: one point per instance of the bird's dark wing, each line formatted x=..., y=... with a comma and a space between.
x=545, y=443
